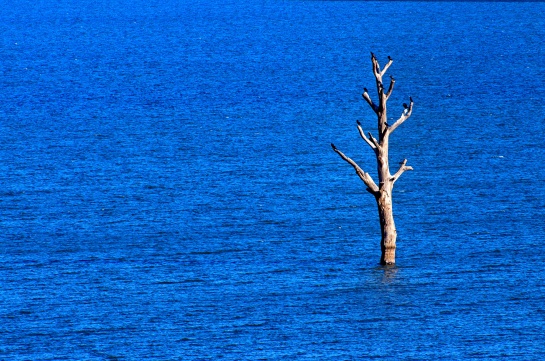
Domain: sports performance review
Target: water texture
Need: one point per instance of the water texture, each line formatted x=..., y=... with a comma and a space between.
x=167, y=189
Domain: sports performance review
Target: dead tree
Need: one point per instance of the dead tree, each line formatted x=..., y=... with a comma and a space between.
x=383, y=191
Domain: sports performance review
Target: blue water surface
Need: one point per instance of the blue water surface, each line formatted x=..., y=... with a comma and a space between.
x=168, y=192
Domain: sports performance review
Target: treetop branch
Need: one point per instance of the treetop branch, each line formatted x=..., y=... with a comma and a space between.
x=376, y=66
x=390, y=61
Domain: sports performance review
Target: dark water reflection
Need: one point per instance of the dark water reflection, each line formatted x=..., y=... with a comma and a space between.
x=388, y=273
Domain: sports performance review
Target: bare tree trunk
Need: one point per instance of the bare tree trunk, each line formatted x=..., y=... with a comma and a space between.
x=387, y=227
x=382, y=192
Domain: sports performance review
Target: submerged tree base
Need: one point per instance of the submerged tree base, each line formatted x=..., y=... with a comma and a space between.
x=388, y=256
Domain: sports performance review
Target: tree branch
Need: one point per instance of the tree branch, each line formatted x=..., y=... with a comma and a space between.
x=365, y=177
x=376, y=66
x=373, y=140
x=378, y=78
x=402, y=168
x=362, y=134
x=404, y=116
x=392, y=82
x=365, y=96
x=390, y=61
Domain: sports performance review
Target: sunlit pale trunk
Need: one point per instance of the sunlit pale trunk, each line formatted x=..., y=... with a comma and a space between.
x=383, y=197
x=387, y=227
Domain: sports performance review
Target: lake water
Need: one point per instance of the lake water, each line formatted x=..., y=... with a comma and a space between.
x=168, y=192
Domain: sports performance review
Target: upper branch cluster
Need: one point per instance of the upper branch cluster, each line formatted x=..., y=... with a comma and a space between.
x=380, y=108
x=384, y=129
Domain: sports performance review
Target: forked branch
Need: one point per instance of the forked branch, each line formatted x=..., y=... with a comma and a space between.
x=407, y=111
x=373, y=140
x=365, y=177
x=362, y=134
x=402, y=168
x=390, y=61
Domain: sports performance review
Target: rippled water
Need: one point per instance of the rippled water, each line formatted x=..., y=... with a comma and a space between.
x=168, y=191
